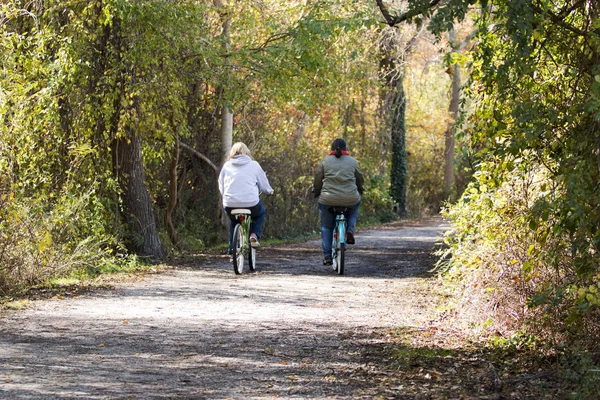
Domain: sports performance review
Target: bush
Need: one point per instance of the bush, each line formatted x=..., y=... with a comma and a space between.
x=514, y=264
x=40, y=241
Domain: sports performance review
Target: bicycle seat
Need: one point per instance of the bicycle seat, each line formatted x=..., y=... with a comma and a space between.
x=243, y=211
x=339, y=210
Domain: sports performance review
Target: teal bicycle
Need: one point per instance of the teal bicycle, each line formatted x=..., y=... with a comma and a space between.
x=338, y=245
x=242, y=251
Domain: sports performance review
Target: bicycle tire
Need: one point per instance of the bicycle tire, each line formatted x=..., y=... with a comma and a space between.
x=238, y=249
x=337, y=250
x=334, y=253
x=252, y=259
x=341, y=252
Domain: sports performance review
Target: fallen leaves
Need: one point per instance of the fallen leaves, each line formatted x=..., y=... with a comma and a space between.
x=434, y=364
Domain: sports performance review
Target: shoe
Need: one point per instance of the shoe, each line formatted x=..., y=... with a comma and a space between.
x=350, y=238
x=327, y=261
x=254, y=240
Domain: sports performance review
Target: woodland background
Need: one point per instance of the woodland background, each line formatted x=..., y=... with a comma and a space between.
x=115, y=116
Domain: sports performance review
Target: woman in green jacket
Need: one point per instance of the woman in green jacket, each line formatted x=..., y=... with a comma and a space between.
x=338, y=183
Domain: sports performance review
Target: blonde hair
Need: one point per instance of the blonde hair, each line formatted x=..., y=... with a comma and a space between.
x=239, y=148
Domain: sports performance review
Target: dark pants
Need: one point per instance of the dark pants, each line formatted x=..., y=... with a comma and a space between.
x=328, y=224
x=258, y=214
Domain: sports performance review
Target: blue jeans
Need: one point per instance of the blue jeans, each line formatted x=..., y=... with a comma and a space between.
x=328, y=224
x=258, y=214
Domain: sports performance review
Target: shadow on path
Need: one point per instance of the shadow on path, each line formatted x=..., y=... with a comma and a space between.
x=294, y=329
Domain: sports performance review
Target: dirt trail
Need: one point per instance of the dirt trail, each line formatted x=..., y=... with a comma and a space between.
x=292, y=330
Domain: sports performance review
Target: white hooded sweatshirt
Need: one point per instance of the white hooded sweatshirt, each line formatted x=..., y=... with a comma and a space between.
x=240, y=181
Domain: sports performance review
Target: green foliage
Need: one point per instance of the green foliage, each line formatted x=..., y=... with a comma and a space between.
x=38, y=242
x=79, y=79
x=518, y=341
x=377, y=204
x=581, y=369
x=525, y=243
x=71, y=72
x=426, y=124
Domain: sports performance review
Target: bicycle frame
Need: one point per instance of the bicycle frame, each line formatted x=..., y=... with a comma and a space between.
x=245, y=220
x=338, y=245
x=340, y=228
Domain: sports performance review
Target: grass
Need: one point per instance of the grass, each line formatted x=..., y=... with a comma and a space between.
x=79, y=281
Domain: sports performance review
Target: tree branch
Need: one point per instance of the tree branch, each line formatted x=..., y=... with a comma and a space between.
x=199, y=155
x=393, y=20
x=558, y=20
x=270, y=39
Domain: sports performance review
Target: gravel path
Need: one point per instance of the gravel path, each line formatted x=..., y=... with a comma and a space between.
x=292, y=330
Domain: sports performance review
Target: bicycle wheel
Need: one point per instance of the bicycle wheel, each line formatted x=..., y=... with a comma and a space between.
x=238, y=249
x=252, y=259
x=340, y=257
x=334, y=252
x=337, y=250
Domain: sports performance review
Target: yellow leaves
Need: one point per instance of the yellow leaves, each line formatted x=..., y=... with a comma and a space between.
x=593, y=299
x=81, y=150
x=45, y=243
x=589, y=295
x=7, y=197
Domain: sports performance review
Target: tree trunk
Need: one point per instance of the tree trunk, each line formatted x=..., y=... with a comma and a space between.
x=399, y=170
x=226, y=133
x=451, y=130
x=138, y=214
x=394, y=106
x=134, y=207
x=226, y=112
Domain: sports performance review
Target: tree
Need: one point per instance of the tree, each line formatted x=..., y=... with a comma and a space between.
x=395, y=118
x=226, y=111
x=534, y=134
x=453, y=109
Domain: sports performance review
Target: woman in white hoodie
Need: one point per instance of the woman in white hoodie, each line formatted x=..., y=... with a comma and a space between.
x=240, y=182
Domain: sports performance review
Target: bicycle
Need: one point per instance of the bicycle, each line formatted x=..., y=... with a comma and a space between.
x=242, y=250
x=338, y=245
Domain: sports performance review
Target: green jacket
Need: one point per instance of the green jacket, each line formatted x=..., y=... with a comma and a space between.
x=338, y=181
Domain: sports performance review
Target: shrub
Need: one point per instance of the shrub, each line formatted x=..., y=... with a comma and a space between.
x=515, y=264
x=40, y=241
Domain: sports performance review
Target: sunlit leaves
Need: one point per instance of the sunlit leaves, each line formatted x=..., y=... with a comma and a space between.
x=534, y=133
